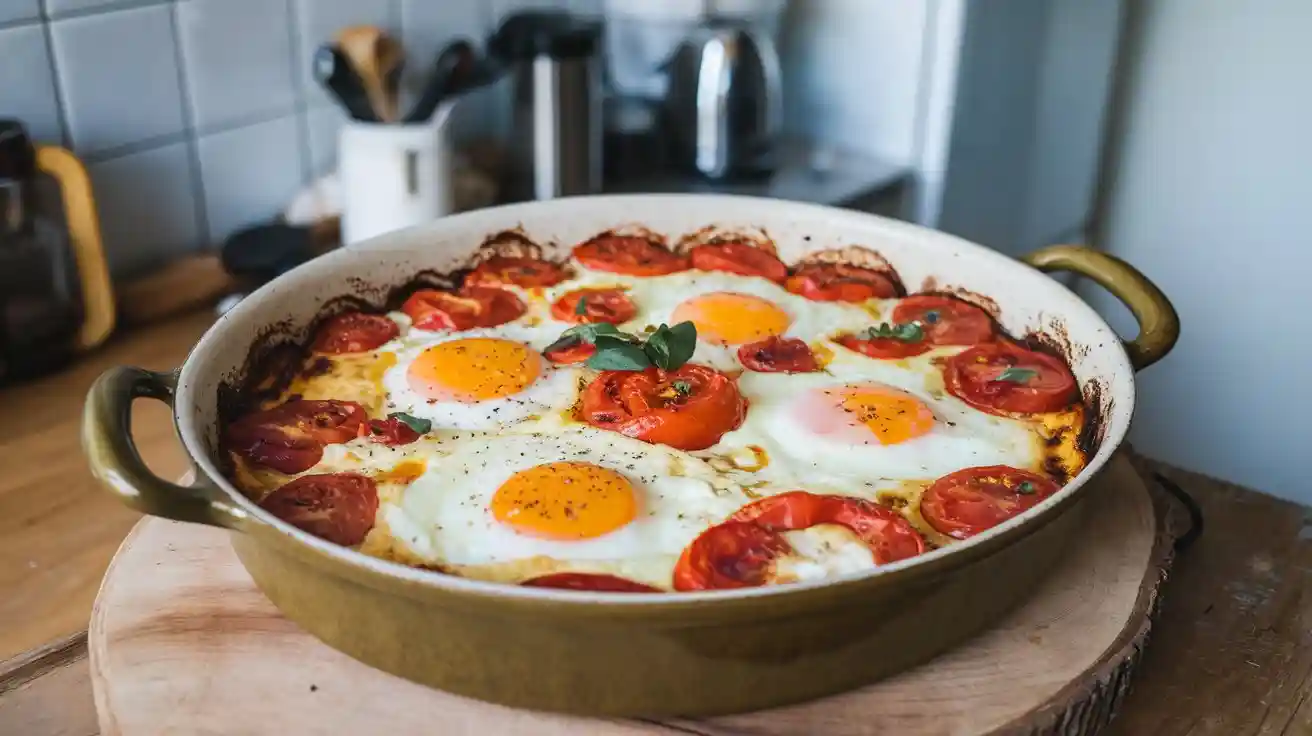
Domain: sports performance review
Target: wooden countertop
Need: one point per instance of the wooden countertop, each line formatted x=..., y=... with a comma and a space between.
x=1229, y=654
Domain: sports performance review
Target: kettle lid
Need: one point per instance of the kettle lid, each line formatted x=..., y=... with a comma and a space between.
x=17, y=154
x=560, y=35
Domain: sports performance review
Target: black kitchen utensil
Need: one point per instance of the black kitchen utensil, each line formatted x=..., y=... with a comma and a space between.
x=456, y=70
x=260, y=253
x=335, y=73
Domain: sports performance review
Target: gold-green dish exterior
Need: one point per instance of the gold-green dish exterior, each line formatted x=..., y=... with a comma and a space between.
x=679, y=654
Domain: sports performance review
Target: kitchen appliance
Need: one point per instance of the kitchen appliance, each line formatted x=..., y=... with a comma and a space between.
x=610, y=653
x=556, y=139
x=55, y=294
x=724, y=105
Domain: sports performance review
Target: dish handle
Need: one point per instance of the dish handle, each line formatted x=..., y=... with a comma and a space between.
x=115, y=462
x=1159, y=325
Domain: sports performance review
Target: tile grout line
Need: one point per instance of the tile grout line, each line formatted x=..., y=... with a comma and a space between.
x=201, y=206
x=297, y=44
x=61, y=103
x=113, y=7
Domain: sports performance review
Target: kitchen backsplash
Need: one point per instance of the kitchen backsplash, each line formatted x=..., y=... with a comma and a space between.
x=198, y=117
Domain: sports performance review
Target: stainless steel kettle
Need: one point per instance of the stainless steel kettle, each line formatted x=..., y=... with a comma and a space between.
x=724, y=107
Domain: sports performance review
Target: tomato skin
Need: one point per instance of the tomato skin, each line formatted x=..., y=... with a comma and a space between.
x=837, y=282
x=472, y=306
x=971, y=376
x=391, y=432
x=733, y=554
x=576, y=352
x=353, y=332
x=646, y=406
x=589, y=581
x=973, y=500
x=516, y=271
x=290, y=437
x=739, y=258
x=599, y=305
x=883, y=348
x=778, y=355
x=633, y=255
x=888, y=534
x=337, y=507
x=955, y=322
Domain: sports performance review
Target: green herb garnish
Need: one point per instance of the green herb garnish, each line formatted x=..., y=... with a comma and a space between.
x=616, y=353
x=581, y=308
x=665, y=347
x=582, y=333
x=1017, y=375
x=1025, y=488
x=903, y=331
x=418, y=424
x=682, y=387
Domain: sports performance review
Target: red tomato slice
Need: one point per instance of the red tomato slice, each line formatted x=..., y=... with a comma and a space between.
x=1004, y=378
x=734, y=554
x=473, y=306
x=290, y=437
x=589, y=581
x=837, y=282
x=888, y=534
x=570, y=351
x=883, y=348
x=944, y=320
x=599, y=305
x=516, y=271
x=353, y=332
x=778, y=355
x=739, y=258
x=629, y=254
x=688, y=408
x=391, y=432
x=338, y=507
x=967, y=502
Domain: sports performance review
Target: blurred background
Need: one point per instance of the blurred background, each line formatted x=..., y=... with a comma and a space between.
x=225, y=141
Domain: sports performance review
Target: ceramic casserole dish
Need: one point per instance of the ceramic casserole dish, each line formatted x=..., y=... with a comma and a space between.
x=687, y=654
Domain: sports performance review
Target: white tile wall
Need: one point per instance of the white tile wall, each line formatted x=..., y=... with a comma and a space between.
x=198, y=117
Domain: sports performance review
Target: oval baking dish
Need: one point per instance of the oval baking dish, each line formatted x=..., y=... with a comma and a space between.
x=688, y=654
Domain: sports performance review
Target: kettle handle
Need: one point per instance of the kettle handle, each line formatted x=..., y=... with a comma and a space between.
x=84, y=239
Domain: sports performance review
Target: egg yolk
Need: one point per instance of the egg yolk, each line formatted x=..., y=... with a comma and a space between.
x=729, y=318
x=565, y=501
x=474, y=369
x=857, y=411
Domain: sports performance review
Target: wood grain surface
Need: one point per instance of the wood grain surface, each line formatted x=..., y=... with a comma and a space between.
x=182, y=640
x=58, y=527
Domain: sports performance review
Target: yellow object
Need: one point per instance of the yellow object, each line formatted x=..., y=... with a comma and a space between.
x=84, y=240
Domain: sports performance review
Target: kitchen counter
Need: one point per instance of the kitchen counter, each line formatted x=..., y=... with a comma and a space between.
x=1227, y=655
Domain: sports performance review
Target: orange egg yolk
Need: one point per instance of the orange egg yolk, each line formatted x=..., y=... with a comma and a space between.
x=565, y=501
x=474, y=369
x=729, y=318
x=893, y=416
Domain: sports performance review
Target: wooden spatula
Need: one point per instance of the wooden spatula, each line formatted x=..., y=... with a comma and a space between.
x=377, y=59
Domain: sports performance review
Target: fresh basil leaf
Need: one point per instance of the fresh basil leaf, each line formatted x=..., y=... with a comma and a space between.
x=1017, y=375
x=681, y=340
x=1025, y=488
x=565, y=342
x=581, y=308
x=903, y=331
x=615, y=353
x=590, y=332
x=683, y=387
x=418, y=424
x=657, y=348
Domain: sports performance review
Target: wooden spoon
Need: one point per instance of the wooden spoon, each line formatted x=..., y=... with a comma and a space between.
x=377, y=59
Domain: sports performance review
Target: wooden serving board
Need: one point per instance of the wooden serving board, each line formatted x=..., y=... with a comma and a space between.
x=181, y=641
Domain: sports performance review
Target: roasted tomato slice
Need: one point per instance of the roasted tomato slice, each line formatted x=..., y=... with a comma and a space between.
x=778, y=355
x=688, y=408
x=569, y=351
x=629, y=254
x=884, y=348
x=353, y=332
x=598, y=305
x=473, y=306
x=1004, y=378
x=887, y=533
x=837, y=282
x=734, y=554
x=967, y=502
x=944, y=320
x=516, y=271
x=739, y=258
x=338, y=507
x=391, y=432
x=589, y=581
x=290, y=437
